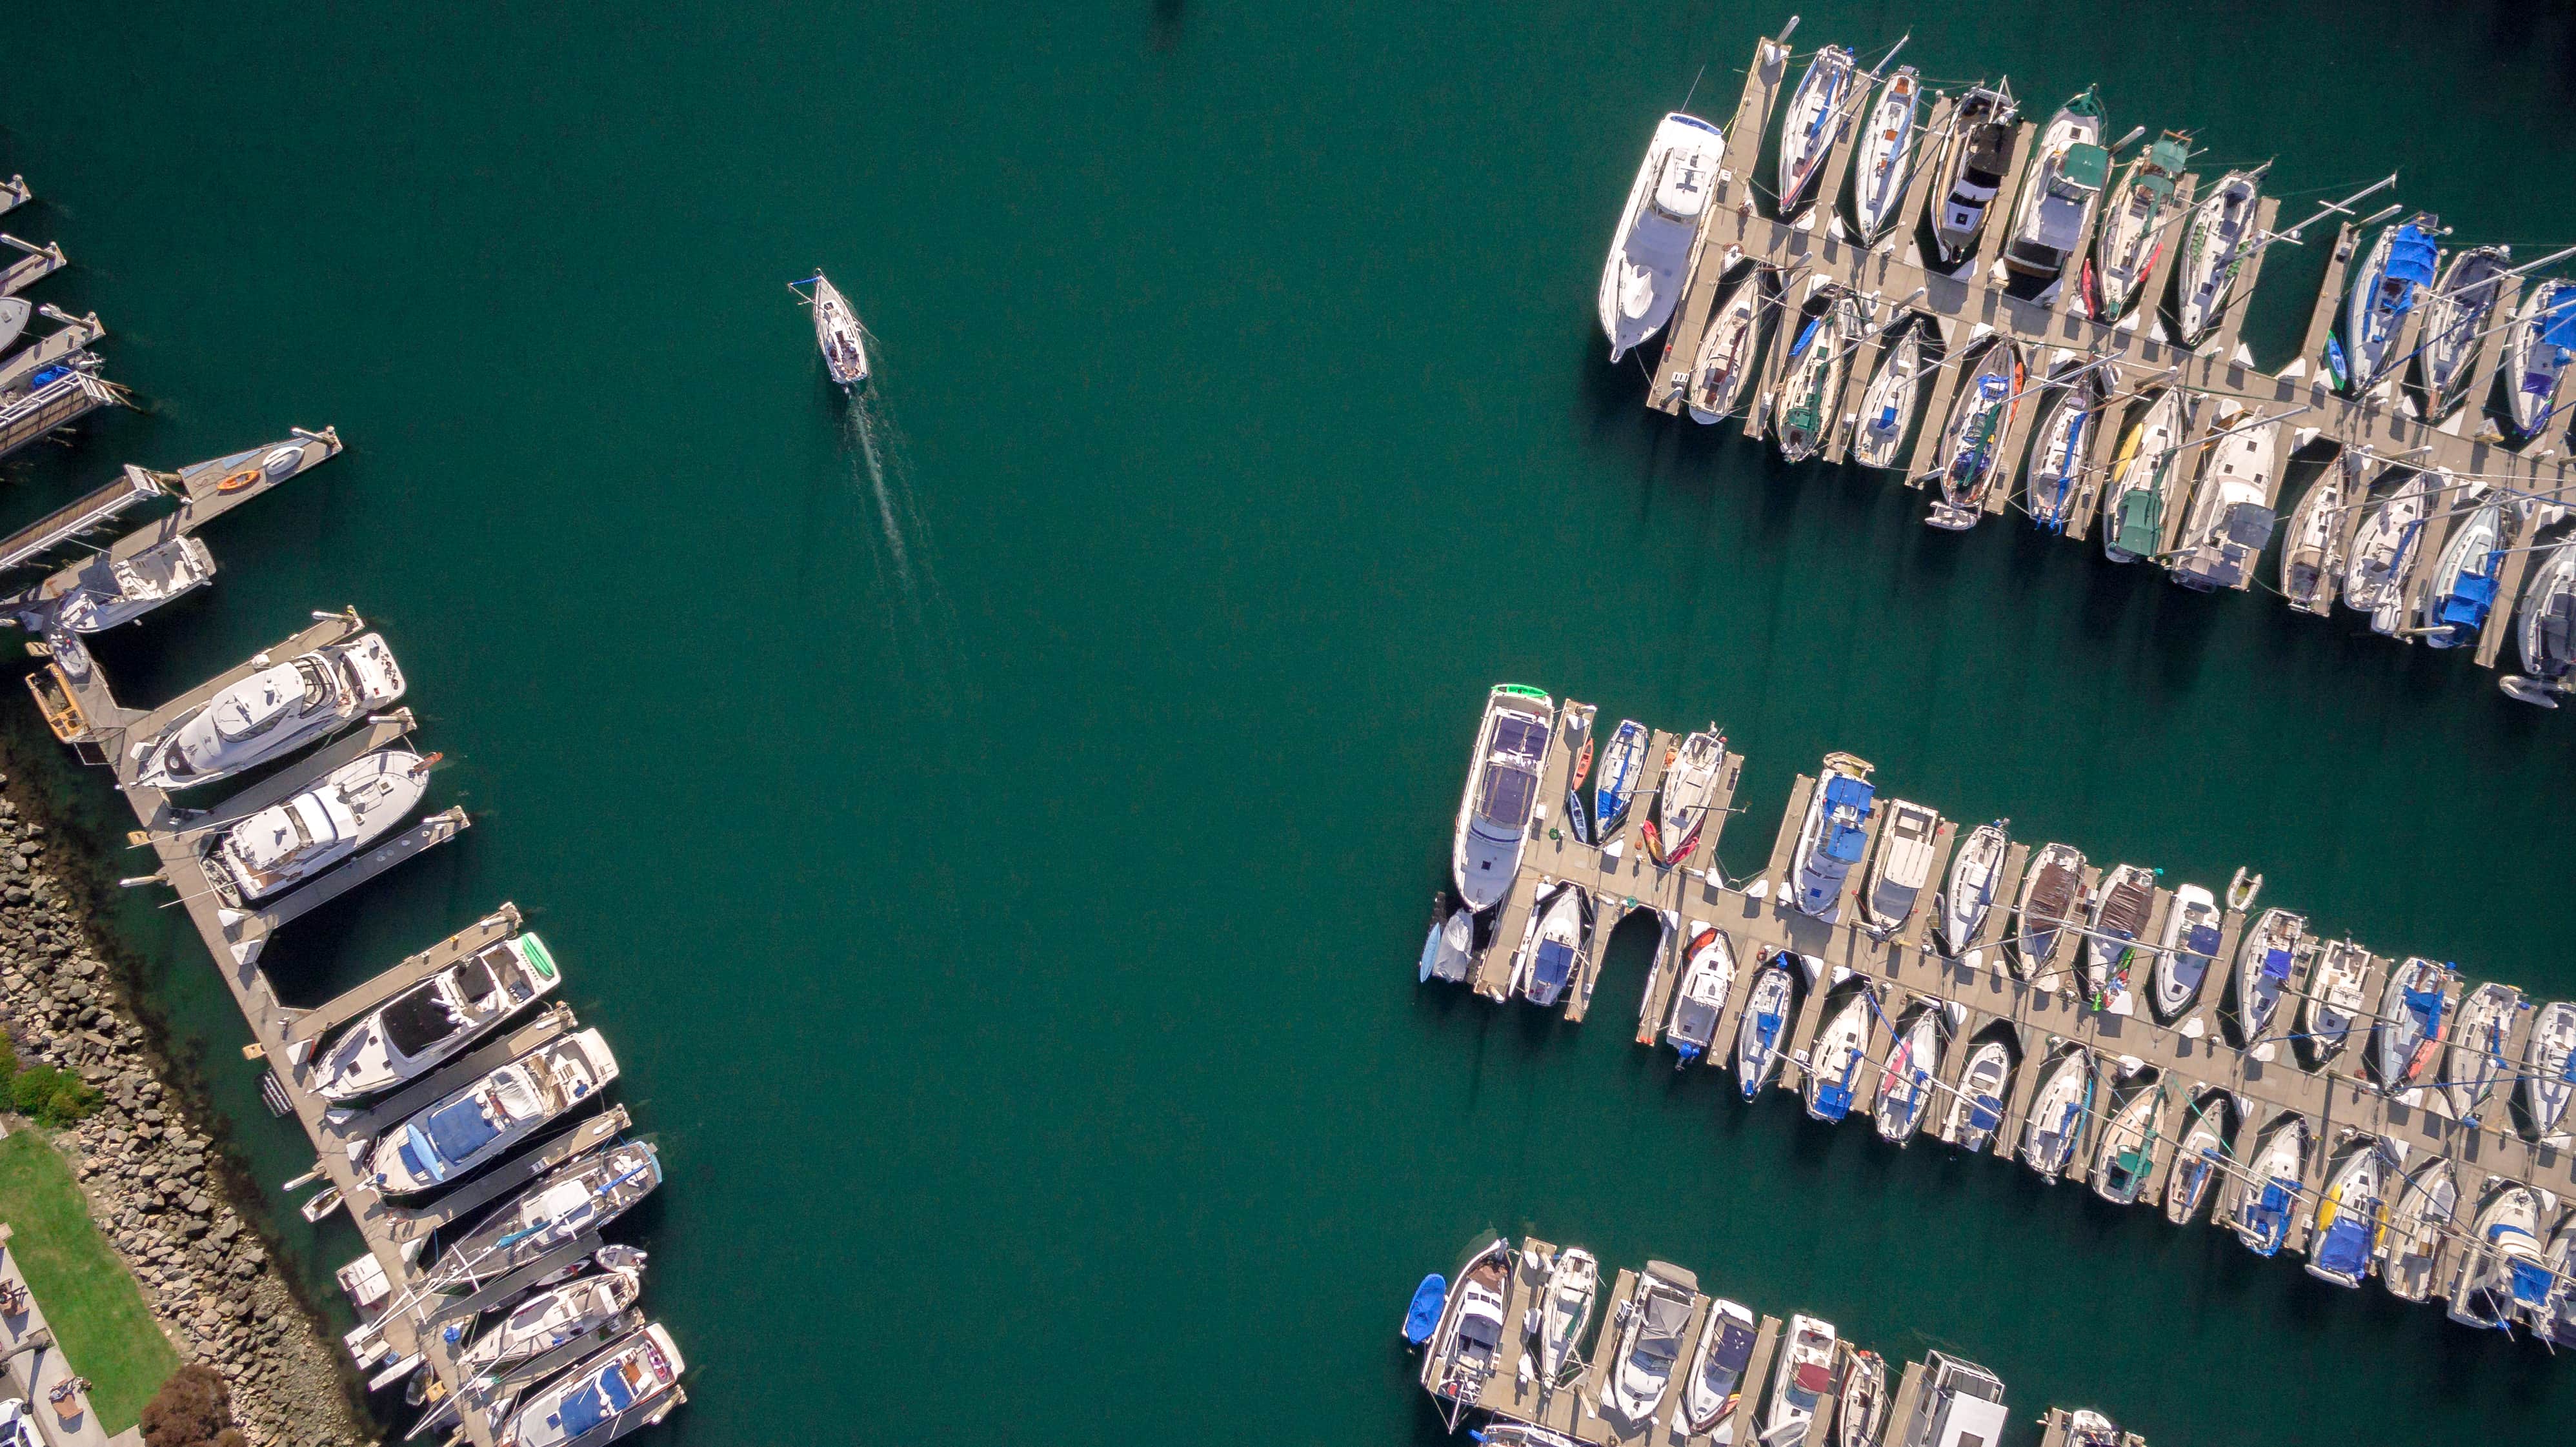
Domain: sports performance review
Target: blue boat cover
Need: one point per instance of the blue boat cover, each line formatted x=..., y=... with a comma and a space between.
x=1843, y=791
x=2270, y=1216
x=2531, y=1281
x=602, y=1398
x=1833, y=1100
x=1799, y=348
x=1423, y=1316
x=1987, y=1113
x=2276, y=964
x=2425, y=1005
x=1555, y=964
x=2411, y=257
x=2345, y=1250
x=2202, y=940
x=2467, y=603
x=1734, y=1347
x=460, y=1130
x=2558, y=324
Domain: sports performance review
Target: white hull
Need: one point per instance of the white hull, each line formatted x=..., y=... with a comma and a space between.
x=1642, y=279
x=1887, y=404
x=1969, y=892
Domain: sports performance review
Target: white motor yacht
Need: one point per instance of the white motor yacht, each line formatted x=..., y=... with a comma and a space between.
x=289, y=842
x=1801, y=1380
x=2189, y=947
x=1715, y=1380
x=1650, y=1342
x=416, y=1031
x=1830, y=840
x=270, y=714
x=593, y=1401
x=1900, y=865
x=1708, y=976
x=1502, y=794
x=478, y=1123
x=2068, y=172
x=1643, y=278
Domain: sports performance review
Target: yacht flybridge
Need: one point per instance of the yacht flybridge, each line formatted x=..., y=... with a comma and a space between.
x=1648, y=254
x=270, y=714
x=415, y=1031
x=287, y=843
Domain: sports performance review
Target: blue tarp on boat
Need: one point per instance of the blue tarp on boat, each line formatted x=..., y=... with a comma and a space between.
x=1799, y=348
x=1423, y=1315
x=2558, y=323
x=2345, y=1250
x=2531, y=1280
x=2276, y=964
x=2270, y=1216
x=2201, y=940
x=1833, y=1100
x=1987, y=1113
x=2468, y=601
x=2425, y=1006
x=2412, y=255
x=1555, y=964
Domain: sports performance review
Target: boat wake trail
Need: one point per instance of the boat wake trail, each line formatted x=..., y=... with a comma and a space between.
x=918, y=616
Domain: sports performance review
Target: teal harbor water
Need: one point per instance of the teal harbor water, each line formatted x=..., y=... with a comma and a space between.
x=995, y=825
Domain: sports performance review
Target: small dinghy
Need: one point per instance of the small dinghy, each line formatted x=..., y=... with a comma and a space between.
x=1811, y=122
x=2506, y=1274
x=1886, y=159
x=1912, y=1074
x=2231, y=517
x=2477, y=1059
x=2388, y=284
x=2120, y=907
x=1972, y=442
x=2466, y=577
x=1564, y=1310
x=1715, y=1382
x=1682, y=799
x=1642, y=280
x=2213, y=246
x=2536, y=353
x=1623, y=764
x=1559, y=935
x=285, y=844
x=421, y=1028
x=2352, y=1215
x=1574, y=729
x=1467, y=1344
x=607, y=1396
x=1969, y=891
x=2200, y=1158
x=2269, y=1194
x=1887, y=404
x=1811, y=395
x=1800, y=1382
x=2190, y=946
x=2135, y=227
x=2143, y=481
x=1650, y=1342
x=2067, y=174
x=1708, y=977
x=2549, y=1067
x=1832, y=835
x=2408, y=1035
x=2547, y=633
x=2127, y=1153
x=2312, y=545
x=1450, y=954
x=2052, y=891
x=2058, y=1112
x=2455, y=322
x=2334, y=1000
x=1841, y=1050
x=836, y=331
x=1900, y=865
x=1422, y=1314
x=1766, y=1020
x=2066, y=430
x=1860, y=1412
x=1502, y=794
x=2263, y=969
x=1977, y=1109
x=270, y=714
x=1976, y=151
x=478, y=1123
x=2375, y=567
x=1730, y=353
x=2419, y=1223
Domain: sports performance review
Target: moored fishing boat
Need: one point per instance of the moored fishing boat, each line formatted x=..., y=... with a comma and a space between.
x=1971, y=455
x=1900, y=865
x=290, y=842
x=1968, y=892
x=1811, y=122
x=2549, y=1067
x=2312, y=545
x=2375, y=564
x=2120, y=905
x=1642, y=280
x=1758, y=1033
x=2412, y=1021
x=2135, y=226
x=2214, y=245
x=1682, y=799
x=1501, y=794
x=2387, y=285
x=1834, y=1065
x=1811, y=395
x=1831, y=836
x=2546, y=634
x=2189, y=947
x=2067, y=174
x=2455, y=321
x=1800, y=1381
x=2334, y=1000
x=2231, y=514
x=2466, y=576
x=481, y=1121
x=1650, y=1341
x=2142, y=480
x=1887, y=403
x=1614, y=789
x=1912, y=1074
x=2058, y=1112
x=1565, y=1309
x=270, y=714
x=2419, y=1225
x=2263, y=969
x=1860, y=1410
x=1467, y=1344
x=2269, y=1194
x=2200, y=1157
x=2477, y=1043
x=1708, y=976
x=1715, y=1381
x=2506, y=1274
x=2352, y=1214
x=837, y=332
x=2536, y=352
x=2066, y=427
x=2126, y=1156
x=1553, y=947
x=1886, y=158
x=1976, y=151
x=1730, y=353
x=2052, y=889
x=423, y=1026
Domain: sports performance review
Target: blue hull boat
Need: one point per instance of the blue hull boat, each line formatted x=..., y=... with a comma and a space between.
x=1623, y=763
x=1423, y=1316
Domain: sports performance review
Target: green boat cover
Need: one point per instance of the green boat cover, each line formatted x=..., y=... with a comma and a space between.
x=2088, y=165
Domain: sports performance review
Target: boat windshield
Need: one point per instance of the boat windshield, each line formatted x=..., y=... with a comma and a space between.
x=417, y=1019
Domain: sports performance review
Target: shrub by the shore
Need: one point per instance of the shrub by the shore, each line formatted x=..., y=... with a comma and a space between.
x=192, y=1409
x=43, y=1091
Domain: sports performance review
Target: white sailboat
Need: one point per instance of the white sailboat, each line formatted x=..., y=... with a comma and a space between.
x=2142, y=480
x=2419, y=1225
x=2335, y=1000
x=1977, y=1108
x=1906, y=1086
x=2352, y=1215
x=2058, y=1112
x=2376, y=564
x=1565, y=1309
x=1969, y=891
x=1708, y=977
x=2477, y=1043
x=1682, y=798
x=1730, y=352
x=2214, y=246
x=2198, y=1158
x=2269, y=1194
x=2231, y=509
x=2549, y=1066
x=1887, y=403
x=2547, y=633
x=1835, y=1063
x=2126, y=1155
x=1553, y=948
x=2263, y=969
x=1811, y=122
x=836, y=332
x=1643, y=277
x=2536, y=354
x=2312, y=545
x=1766, y=1019
x=2189, y=947
x=1885, y=162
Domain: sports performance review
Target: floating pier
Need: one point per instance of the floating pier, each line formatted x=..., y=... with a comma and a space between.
x=52, y=382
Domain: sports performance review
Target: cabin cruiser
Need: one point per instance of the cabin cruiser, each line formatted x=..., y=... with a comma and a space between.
x=278, y=709
x=1467, y=1344
x=1978, y=1107
x=289, y=842
x=1682, y=798
x=2051, y=898
x=1799, y=1383
x=837, y=332
x=1906, y=1086
x=1614, y=789
x=2375, y=567
x=2134, y=229
x=2231, y=510
x=1973, y=439
x=2477, y=1048
x=2312, y=547
x=2465, y=578
x=1885, y=162
x=111, y=590
x=2189, y=947
x=1730, y=352
x=1502, y=792
x=1553, y=946
x=2536, y=352
x=2263, y=969
x=2352, y=1215
x=2334, y=1001
x=2547, y=634
x=2199, y=1158
x=2067, y=426
x=1969, y=891
x=2411, y=1023
x=1573, y=1284
x=1962, y=1405
x=2419, y=1223
x=1841, y=1052
x=630, y=1378
x=2142, y=481
x=2269, y=1195
x=1900, y=865
x=1811, y=122
x=485, y=1119
x=2455, y=321
x=556, y=1316
x=2506, y=1274
x=2120, y=907
x=1643, y=278
x=416, y=1031
x=2058, y=1112
x=2213, y=246
x=583, y=1195
x=2549, y=1067
x=1860, y=1411
x=1715, y=1381
x=1650, y=1341
x=2390, y=282
x=2064, y=185
x=1829, y=842
x=1765, y=1021
x=2126, y=1155
x=1976, y=151
x=1812, y=393
x=1450, y=952
x=1708, y=976
x=1887, y=403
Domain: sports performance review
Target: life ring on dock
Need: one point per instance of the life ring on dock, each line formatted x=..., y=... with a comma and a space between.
x=235, y=482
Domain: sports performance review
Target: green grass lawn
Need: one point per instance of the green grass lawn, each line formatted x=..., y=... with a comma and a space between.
x=95, y=1308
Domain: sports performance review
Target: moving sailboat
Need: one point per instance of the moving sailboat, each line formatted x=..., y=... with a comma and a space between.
x=2312, y=546
x=1502, y=793
x=1811, y=122
x=2352, y=1214
x=1906, y=1087
x=1972, y=441
x=1682, y=799
x=1553, y=947
x=2134, y=229
x=1830, y=839
x=1887, y=403
x=2051, y=899
x=2058, y=1112
x=2068, y=422
x=2189, y=947
x=1885, y=162
x=1730, y=354
x=2142, y=480
x=2213, y=247
x=2064, y=185
x=2200, y=1158
x=1708, y=976
x=1976, y=151
x=2547, y=632
x=1977, y=1108
x=1766, y=1019
x=1969, y=891
x=2387, y=286
x=836, y=331
x=2269, y=1195
x=1642, y=280
x=2412, y=1022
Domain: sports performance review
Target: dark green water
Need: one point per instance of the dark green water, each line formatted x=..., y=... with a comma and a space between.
x=1000, y=871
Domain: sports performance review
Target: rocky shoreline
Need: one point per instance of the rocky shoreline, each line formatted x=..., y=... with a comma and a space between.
x=155, y=1179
